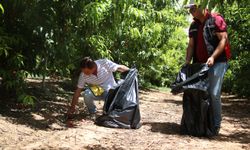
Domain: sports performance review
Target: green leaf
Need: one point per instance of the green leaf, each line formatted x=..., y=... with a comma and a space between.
x=2, y=9
x=185, y=2
x=26, y=99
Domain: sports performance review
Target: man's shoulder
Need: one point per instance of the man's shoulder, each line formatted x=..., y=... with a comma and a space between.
x=217, y=16
x=219, y=21
x=102, y=61
x=194, y=24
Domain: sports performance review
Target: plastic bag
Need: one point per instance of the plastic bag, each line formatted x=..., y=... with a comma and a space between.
x=121, y=108
x=197, y=118
x=191, y=77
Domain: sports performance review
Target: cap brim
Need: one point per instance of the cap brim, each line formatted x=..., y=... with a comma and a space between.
x=189, y=5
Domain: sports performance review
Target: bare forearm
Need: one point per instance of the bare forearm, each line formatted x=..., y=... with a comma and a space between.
x=74, y=100
x=222, y=36
x=190, y=50
x=122, y=68
x=220, y=48
x=75, y=97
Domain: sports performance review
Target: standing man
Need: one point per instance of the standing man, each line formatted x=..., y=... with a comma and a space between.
x=97, y=73
x=208, y=43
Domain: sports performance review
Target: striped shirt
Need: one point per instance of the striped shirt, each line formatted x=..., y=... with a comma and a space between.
x=104, y=77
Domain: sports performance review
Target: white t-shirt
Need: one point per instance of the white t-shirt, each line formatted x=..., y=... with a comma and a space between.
x=104, y=78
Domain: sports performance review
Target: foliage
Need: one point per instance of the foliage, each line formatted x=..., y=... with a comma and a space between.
x=48, y=38
x=1, y=7
x=237, y=79
x=211, y=4
x=26, y=99
x=171, y=59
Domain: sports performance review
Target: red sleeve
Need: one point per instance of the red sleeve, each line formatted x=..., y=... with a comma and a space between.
x=220, y=23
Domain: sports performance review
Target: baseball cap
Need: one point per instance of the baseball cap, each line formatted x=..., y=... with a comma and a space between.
x=190, y=5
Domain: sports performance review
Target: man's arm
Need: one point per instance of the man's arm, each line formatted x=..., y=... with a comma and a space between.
x=190, y=50
x=74, y=100
x=222, y=36
x=122, y=68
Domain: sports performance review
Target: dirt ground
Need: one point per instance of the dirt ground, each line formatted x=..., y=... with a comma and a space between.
x=43, y=126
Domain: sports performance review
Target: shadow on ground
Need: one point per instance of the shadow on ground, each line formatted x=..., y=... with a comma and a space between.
x=236, y=111
x=177, y=102
x=171, y=128
x=100, y=147
x=50, y=109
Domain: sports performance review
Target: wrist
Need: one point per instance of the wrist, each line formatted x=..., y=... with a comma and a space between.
x=212, y=57
x=187, y=62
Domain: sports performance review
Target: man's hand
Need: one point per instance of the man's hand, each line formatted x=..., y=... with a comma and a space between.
x=210, y=61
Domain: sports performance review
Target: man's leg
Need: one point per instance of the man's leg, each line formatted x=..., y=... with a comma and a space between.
x=89, y=98
x=216, y=74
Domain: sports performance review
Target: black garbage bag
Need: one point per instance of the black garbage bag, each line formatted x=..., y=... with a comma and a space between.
x=197, y=118
x=192, y=76
x=121, y=107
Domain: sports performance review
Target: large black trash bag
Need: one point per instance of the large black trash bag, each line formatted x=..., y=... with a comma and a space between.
x=197, y=118
x=121, y=107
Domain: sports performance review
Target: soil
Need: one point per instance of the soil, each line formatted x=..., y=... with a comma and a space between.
x=44, y=126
